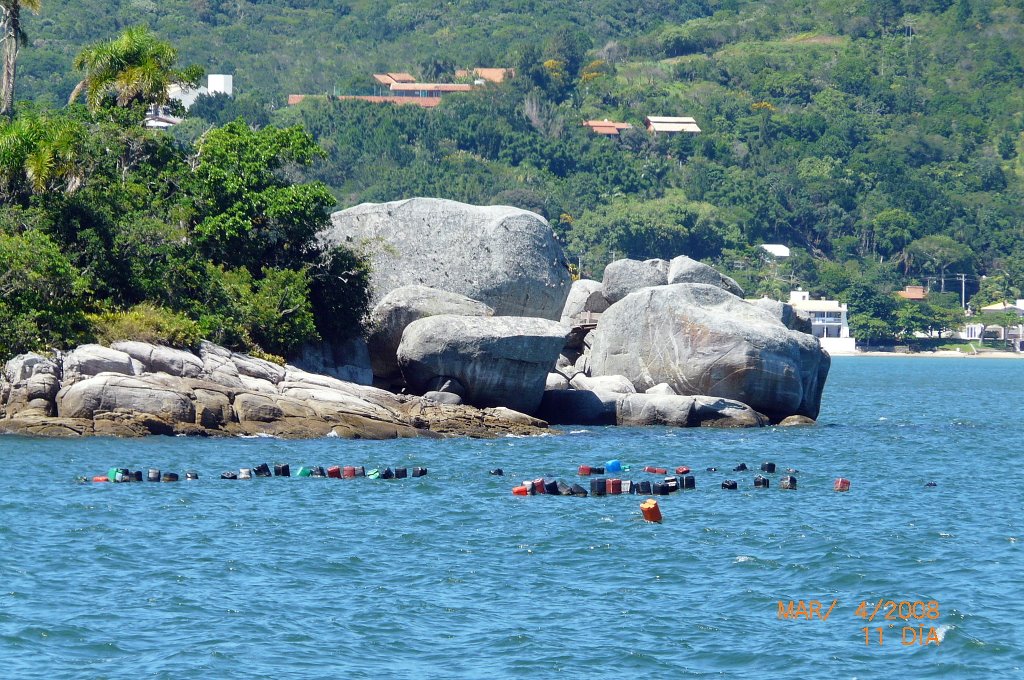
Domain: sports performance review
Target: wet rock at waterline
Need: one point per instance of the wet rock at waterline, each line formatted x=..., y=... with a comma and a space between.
x=702, y=340
x=235, y=394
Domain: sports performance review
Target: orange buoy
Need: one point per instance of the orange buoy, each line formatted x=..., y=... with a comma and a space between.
x=520, y=491
x=841, y=484
x=650, y=510
x=101, y=478
x=656, y=470
x=682, y=470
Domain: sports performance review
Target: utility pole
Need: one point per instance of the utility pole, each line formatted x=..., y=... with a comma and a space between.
x=963, y=290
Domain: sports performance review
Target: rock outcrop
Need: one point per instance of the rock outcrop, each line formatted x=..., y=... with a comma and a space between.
x=401, y=307
x=500, y=361
x=702, y=340
x=221, y=393
x=348, y=360
x=505, y=257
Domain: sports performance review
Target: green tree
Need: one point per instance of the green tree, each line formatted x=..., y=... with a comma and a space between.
x=938, y=252
x=39, y=154
x=12, y=37
x=41, y=295
x=135, y=67
x=248, y=213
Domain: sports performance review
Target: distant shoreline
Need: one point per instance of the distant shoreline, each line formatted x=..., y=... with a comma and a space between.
x=942, y=354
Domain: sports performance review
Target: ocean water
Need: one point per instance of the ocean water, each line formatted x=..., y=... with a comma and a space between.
x=450, y=575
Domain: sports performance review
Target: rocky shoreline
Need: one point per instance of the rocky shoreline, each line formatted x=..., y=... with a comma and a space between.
x=477, y=330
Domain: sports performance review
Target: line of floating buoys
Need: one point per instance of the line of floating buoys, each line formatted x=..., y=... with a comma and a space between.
x=613, y=486
x=121, y=475
x=124, y=475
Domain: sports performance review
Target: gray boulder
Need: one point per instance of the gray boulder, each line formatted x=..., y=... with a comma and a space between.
x=682, y=269
x=556, y=381
x=685, y=411
x=160, y=359
x=500, y=361
x=24, y=366
x=663, y=389
x=443, y=397
x=584, y=296
x=169, y=398
x=790, y=317
x=89, y=360
x=348, y=360
x=33, y=395
x=401, y=307
x=505, y=257
x=659, y=264
x=622, y=277
x=578, y=407
x=613, y=384
x=703, y=340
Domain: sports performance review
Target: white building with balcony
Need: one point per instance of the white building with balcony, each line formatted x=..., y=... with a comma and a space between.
x=828, y=322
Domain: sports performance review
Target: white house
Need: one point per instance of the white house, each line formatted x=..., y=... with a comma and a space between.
x=828, y=322
x=216, y=83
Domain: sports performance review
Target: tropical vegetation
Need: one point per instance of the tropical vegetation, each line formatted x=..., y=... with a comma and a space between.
x=880, y=140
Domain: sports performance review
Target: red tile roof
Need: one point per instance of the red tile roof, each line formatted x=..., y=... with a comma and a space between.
x=430, y=87
x=425, y=102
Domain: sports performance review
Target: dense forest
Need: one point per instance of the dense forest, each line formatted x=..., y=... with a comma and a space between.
x=881, y=141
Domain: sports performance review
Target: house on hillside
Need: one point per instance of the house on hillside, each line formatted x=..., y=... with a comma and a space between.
x=606, y=127
x=913, y=293
x=160, y=117
x=424, y=102
x=670, y=125
x=485, y=75
x=828, y=322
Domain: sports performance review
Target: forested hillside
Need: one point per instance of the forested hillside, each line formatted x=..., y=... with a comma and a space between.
x=881, y=141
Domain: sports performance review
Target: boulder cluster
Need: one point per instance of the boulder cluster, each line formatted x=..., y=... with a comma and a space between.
x=476, y=329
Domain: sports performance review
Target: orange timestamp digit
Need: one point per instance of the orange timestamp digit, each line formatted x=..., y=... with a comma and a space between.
x=905, y=611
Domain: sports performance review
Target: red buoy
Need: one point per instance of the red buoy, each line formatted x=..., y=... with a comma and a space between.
x=841, y=484
x=650, y=510
x=682, y=470
x=348, y=472
x=613, y=487
x=334, y=472
x=584, y=470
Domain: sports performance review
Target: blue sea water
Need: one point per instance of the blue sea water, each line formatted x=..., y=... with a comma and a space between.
x=450, y=575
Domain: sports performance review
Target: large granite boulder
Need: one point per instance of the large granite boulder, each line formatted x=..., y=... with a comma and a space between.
x=500, y=361
x=87, y=361
x=622, y=277
x=505, y=257
x=584, y=296
x=29, y=386
x=703, y=340
x=401, y=307
x=682, y=269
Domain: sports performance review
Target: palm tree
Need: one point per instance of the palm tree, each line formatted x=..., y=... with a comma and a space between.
x=12, y=37
x=136, y=66
x=39, y=154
